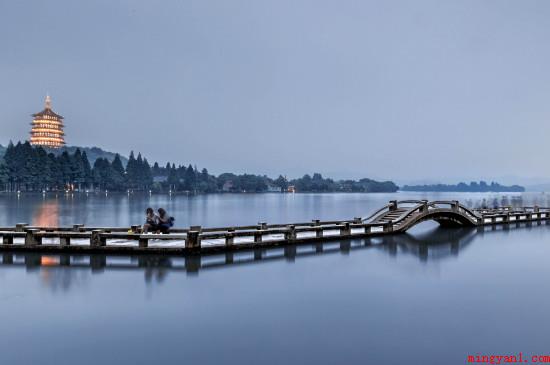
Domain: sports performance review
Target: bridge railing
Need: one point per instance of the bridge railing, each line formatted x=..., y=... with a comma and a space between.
x=422, y=206
x=376, y=213
x=262, y=234
x=194, y=237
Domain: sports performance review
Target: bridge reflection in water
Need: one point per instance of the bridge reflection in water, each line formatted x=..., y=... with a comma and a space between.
x=64, y=270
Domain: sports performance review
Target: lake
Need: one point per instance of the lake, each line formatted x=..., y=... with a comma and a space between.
x=431, y=296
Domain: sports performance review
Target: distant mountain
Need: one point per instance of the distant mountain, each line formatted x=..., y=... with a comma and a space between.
x=482, y=186
x=93, y=153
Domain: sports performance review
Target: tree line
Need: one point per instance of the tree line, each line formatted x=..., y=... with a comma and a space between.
x=28, y=168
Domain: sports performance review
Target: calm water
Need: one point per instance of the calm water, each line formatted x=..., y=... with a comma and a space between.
x=431, y=296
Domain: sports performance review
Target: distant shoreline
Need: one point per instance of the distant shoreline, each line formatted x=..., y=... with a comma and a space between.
x=473, y=187
x=183, y=193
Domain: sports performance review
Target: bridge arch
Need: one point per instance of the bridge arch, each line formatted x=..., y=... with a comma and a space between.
x=402, y=215
x=446, y=218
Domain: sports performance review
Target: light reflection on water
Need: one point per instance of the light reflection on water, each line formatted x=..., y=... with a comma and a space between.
x=431, y=296
x=222, y=209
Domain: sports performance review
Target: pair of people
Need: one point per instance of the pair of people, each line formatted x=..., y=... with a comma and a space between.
x=160, y=223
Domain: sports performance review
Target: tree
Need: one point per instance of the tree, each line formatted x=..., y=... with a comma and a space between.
x=25, y=167
x=147, y=174
x=78, y=175
x=117, y=174
x=4, y=176
x=10, y=165
x=156, y=170
x=103, y=174
x=65, y=163
x=281, y=182
x=132, y=171
x=42, y=177
x=86, y=170
x=190, y=179
x=173, y=178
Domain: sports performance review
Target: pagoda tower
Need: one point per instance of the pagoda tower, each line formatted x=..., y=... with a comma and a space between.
x=47, y=127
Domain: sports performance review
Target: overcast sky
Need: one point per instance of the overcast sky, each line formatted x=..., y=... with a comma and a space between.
x=405, y=90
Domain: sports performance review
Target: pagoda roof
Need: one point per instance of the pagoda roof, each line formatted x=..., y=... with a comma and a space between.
x=48, y=112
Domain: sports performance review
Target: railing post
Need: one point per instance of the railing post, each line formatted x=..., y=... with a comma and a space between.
x=393, y=205
x=143, y=242
x=319, y=232
x=258, y=234
x=455, y=205
x=31, y=239
x=290, y=234
x=7, y=240
x=316, y=222
x=20, y=227
x=196, y=228
x=368, y=230
x=64, y=241
x=263, y=225
x=388, y=227
x=78, y=227
x=193, y=239
x=424, y=207
x=96, y=240
x=230, y=237
x=345, y=230
x=357, y=220
x=135, y=228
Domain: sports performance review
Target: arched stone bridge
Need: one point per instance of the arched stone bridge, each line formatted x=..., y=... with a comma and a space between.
x=399, y=216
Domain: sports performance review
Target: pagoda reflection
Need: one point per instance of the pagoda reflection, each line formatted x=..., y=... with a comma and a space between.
x=46, y=214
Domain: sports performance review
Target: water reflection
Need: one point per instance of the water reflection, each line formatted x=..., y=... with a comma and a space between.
x=46, y=214
x=222, y=209
x=433, y=245
x=62, y=272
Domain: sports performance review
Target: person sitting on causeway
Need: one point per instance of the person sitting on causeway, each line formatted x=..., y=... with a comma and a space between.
x=151, y=221
x=165, y=221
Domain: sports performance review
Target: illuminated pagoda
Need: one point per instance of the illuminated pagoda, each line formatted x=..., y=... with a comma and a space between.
x=47, y=127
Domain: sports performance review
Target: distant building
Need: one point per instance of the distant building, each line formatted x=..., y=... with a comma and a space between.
x=227, y=186
x=291, y=189
x=160, y=179
x=274, y=188
x=47, y=127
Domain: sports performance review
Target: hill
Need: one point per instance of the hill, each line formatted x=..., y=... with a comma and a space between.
x=93, y=153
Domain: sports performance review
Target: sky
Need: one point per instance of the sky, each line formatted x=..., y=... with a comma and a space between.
x=403, y=90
